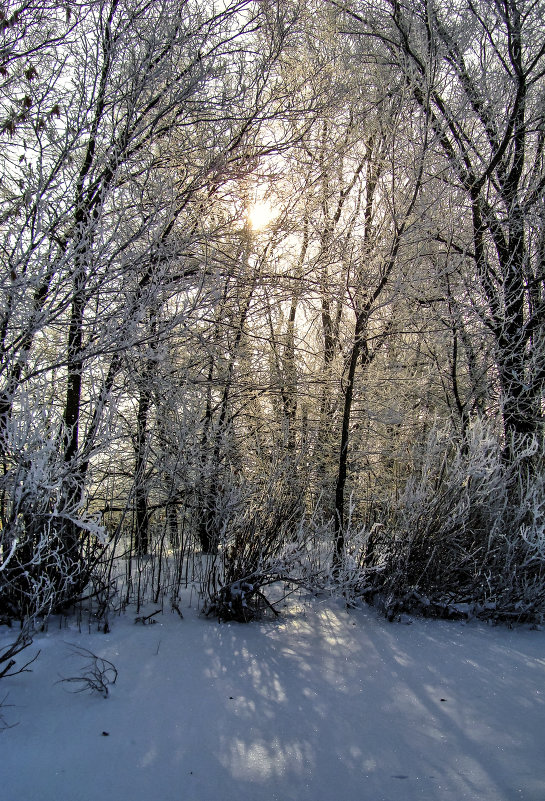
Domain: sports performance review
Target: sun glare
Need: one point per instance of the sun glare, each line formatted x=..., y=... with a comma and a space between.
x=260, y=215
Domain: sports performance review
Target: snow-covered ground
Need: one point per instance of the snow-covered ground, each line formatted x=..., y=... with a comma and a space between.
x=323, y=705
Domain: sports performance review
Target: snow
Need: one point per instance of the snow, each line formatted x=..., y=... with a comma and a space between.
x=325, y=704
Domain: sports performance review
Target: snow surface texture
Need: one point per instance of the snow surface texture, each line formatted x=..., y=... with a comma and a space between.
x=324, y=705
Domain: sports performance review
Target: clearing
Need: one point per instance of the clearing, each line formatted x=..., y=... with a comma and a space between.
x=324, y=704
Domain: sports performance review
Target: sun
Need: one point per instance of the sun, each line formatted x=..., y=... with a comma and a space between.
x=260, y=214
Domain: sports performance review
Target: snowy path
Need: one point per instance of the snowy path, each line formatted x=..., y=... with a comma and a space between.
x=326, y=705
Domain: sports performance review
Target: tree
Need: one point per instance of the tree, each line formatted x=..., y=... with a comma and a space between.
x=475, y=71
x=157, y=105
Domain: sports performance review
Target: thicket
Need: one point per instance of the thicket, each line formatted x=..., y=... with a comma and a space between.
x=345, y=397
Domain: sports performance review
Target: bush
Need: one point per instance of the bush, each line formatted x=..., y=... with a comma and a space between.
x=467, y=535
x=252, y=555
x=48, y=544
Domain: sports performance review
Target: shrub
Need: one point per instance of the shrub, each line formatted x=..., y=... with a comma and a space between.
x=467, y=535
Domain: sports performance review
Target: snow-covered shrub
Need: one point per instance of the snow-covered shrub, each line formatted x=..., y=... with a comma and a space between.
x=324, y=571
x=467, y=534
x=48, y=544
x=258, y=540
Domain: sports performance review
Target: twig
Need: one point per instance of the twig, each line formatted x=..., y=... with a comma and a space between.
x=146, y=618
x=177, y=609
x=7, y=655
x=96, y=676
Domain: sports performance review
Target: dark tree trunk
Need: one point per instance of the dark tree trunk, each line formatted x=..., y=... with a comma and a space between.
x=140, y=484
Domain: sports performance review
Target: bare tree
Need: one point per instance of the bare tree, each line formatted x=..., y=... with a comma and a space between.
x=139, y=112
x=476, y=73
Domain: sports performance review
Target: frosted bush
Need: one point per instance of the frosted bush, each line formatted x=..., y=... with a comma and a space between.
x=466, y=535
